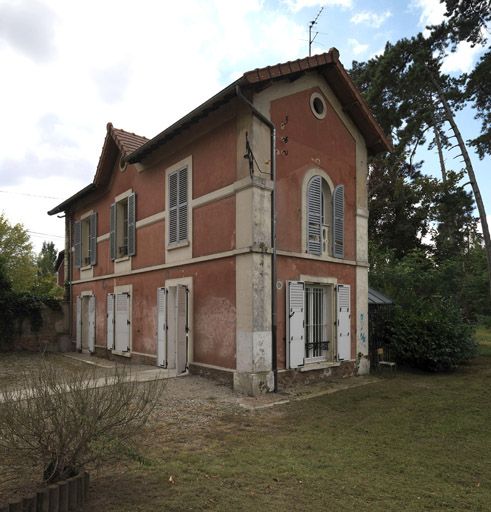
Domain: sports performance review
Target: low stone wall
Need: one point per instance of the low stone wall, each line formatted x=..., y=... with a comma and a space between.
x=52, y=336
x=66, y=496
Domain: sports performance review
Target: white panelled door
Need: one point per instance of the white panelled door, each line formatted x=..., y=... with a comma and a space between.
x=78, y=325
x=182, y=328
x=110, y=321
x=91, y=330
x=122, y=322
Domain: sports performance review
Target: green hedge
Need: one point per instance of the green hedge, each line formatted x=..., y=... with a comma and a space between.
x=431, y=335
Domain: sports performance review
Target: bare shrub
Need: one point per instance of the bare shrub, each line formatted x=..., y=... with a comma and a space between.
x=56, y=423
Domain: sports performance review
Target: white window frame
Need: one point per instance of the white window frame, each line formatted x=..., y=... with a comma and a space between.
x=326, y=227
x=328, y=286
x=122, y=227
x=181, y=250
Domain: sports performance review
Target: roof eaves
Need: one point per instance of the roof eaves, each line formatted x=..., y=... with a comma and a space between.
x=67, y=202
x=195, y=115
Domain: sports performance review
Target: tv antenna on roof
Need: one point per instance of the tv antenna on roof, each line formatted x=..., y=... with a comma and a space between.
x=311, y=24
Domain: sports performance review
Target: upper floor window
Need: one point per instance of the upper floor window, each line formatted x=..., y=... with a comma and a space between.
x=122, y=235
x=85, y=241
x=178, y=206
x=325, y=218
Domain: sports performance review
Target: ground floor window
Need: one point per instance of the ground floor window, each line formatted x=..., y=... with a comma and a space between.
x=318, y=323
x=318, y=334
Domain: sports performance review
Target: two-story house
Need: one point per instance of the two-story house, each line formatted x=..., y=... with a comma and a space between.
x=234, y=243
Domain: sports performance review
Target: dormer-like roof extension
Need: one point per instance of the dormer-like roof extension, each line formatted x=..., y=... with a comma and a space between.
x=116, y=141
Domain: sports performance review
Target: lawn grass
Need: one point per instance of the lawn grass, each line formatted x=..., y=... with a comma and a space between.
x=412, y=442
x=483, y=337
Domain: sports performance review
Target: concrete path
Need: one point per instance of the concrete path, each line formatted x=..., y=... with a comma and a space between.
x=213, y=391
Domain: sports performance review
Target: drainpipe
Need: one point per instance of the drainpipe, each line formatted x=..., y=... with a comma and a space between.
x=272, y=129
x=68, y=254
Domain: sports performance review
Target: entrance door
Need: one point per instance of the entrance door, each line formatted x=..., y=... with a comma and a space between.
x=172, y=342
x=86, y=323
x=122, y=322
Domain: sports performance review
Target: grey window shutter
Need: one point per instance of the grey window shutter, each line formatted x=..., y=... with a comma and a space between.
x=314, y=216
x=173, y=187
x=338, y=221
x=112, y=232
x=131, y=224
x=77, y=242
x=182, y=215
x=93, y=238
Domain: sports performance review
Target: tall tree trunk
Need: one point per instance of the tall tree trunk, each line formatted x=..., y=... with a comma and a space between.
x=438, y=143
x=470, y=172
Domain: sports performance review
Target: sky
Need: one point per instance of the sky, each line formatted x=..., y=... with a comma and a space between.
x=69, y=68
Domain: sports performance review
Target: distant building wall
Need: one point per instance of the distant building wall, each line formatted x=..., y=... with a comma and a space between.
x=52, y=335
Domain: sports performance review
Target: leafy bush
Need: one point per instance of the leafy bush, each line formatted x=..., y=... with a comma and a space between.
x=59, y=423
x=431, y=335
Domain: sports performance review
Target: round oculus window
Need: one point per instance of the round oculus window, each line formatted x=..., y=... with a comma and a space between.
x=123, y=164
x=318, y=105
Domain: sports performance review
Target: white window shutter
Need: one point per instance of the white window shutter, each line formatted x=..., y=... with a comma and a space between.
x=110, y=321
x=314, y=216
x=91, y=333
x=122, y=322
x=77, y=242
x=78, y=325
x=93, y=238
x=295, y=323
x=162, y=327
x=338, y=221
x=182, y=328
x=173, y=207
x=112, y=232
x=343, y=321
x=131, y=224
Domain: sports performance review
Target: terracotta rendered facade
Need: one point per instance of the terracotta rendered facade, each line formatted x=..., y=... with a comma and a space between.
x=169, y=252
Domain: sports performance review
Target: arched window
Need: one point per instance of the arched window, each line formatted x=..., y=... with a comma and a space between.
x=325, y=218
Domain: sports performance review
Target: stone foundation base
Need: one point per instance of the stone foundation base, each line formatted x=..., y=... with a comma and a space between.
x=253, y=384
x=222, y=376
x=289, y=378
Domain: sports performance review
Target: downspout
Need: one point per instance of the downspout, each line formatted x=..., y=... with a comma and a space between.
x=68, y=250
x=272, y=129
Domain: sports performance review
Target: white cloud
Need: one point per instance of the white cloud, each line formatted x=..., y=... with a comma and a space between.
x=373, y=19
x=462, y=60
x=298, y=5
x=28, y=26
x=356, y=47
x=432, y=12
x=141, y=67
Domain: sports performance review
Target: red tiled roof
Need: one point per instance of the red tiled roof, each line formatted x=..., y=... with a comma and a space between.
x=327, y=64
x=116, y=140
x=135, y=148
x=291, y=67
x=127, y=142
